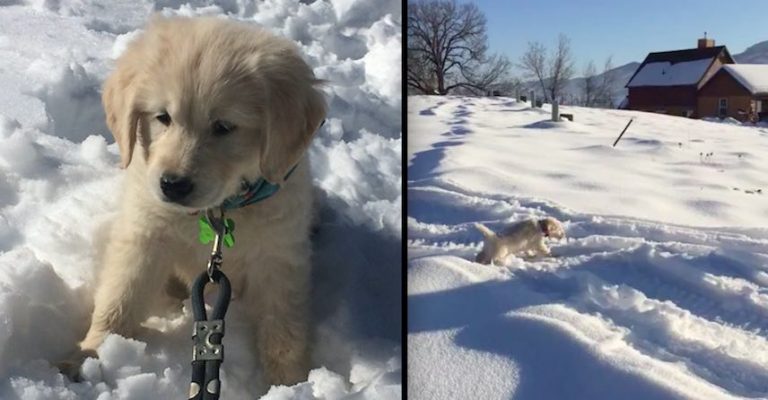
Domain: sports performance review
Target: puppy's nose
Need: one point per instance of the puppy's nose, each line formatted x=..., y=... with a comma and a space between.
x=175, y=187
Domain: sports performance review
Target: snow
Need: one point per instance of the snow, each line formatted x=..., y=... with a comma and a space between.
x=59, y=181
x=659, y=290
x=754, y=77
x=660, y=170
x=669, y=74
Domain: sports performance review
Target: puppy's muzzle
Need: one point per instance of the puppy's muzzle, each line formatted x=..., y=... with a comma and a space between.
x=176, y=188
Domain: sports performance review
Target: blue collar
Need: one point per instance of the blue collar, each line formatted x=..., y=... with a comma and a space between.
x=253, y=192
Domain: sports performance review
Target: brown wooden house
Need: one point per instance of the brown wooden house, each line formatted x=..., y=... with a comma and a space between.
x=738, y=91
x=668, y=82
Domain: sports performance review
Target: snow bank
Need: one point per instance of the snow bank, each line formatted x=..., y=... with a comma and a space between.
x=59, y=179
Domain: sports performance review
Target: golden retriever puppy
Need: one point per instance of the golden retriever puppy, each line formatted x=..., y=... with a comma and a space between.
x=200, y=108
x=525, y=237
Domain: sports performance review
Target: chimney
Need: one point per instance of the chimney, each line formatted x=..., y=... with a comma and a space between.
x=704, y=42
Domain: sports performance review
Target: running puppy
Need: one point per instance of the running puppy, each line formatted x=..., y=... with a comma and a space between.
x=523, y=237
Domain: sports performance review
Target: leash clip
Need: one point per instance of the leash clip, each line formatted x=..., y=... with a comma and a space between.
x=214, y=263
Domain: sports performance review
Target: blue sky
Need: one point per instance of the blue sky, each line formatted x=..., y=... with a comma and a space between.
x=626, y=29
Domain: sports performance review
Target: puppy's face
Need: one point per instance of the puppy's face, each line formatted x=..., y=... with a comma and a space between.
x=201, y=146
x=554, y=228
x=209, y=104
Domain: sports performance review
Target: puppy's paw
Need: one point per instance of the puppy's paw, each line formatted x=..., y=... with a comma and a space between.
x=70, y=367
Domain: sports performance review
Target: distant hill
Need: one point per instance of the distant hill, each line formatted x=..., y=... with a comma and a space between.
x=621, y=77
x=755, y=54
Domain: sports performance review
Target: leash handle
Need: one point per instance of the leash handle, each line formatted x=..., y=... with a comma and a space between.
x=208, y=350
x=212, y=381
x=206, y=384
x=198, y=378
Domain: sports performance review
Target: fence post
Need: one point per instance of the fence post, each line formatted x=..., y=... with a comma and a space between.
x=555, y=111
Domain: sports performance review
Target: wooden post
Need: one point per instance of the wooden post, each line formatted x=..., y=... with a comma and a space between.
x=533, y=99
x=622, y=132
x=555, y=111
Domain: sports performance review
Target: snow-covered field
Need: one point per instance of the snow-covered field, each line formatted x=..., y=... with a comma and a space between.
x=660, y=290
x=59, y=179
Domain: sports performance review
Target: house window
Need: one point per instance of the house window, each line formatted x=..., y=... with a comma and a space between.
x=722, y=108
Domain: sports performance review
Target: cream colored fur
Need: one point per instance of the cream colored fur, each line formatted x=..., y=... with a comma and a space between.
x=526, y=238
x=201, y=70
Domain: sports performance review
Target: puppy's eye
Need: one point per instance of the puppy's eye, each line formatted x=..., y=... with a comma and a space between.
x=164, y=118
x=221, y=128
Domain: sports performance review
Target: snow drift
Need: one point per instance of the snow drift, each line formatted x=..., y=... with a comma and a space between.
x=660, y=290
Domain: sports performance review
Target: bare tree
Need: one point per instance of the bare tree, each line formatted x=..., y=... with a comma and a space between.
x=420, y=75
x=560, y=67
x=512, y=86
x=491, y=71
x=552, y=75
x=598, y=89
x=606, y=84
x=533, y=63
x=447, y=47
x=590, y=85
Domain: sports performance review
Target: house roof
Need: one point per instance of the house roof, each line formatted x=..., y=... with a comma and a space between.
x=664, y=73
x=677, y=56
x=676, y=68
x=754, y=77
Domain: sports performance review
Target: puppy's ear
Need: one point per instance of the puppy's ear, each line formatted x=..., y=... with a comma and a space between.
x=292, y=124
x=122, y=116
x=296, y=110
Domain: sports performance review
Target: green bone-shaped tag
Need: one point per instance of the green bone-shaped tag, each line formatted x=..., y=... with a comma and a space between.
x=208, y=234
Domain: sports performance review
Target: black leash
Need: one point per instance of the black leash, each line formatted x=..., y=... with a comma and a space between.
x=207, y=334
